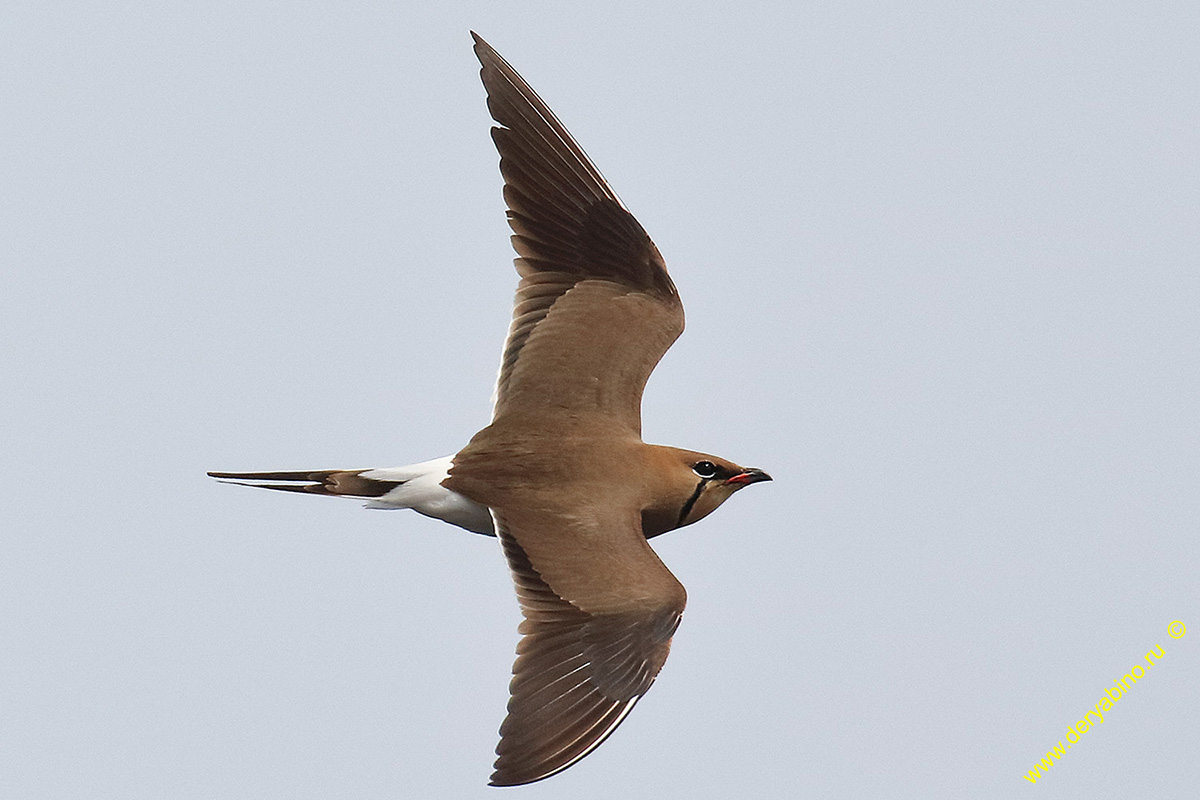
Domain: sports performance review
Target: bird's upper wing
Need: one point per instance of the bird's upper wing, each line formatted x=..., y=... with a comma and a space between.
x=595, y=309
x=597, y=629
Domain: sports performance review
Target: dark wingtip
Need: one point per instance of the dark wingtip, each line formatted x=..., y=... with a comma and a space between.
x=482, y=48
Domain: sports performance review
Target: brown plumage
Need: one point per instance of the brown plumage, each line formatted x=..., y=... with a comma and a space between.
x=561, y=475
x=574, y=492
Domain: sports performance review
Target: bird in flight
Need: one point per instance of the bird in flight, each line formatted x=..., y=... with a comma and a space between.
x=561, y=475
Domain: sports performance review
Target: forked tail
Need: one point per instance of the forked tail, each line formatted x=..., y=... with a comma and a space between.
x=330, y=482
x=416, y=486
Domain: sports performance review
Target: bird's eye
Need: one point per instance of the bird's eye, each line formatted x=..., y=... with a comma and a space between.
x=705, y=469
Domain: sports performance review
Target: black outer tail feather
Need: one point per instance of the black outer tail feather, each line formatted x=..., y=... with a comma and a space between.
x=331, y=483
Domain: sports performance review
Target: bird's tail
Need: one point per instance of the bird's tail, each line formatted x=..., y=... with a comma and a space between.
x=416, y=486
x=330, y=482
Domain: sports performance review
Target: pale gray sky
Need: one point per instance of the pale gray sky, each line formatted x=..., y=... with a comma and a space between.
x=940, y=268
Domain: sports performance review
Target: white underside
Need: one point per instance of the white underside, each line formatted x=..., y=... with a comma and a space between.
x=422, y=491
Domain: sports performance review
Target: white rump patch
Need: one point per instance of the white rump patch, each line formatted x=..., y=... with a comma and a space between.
x=422, y=491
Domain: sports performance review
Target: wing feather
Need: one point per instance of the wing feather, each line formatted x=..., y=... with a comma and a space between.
x=569, y=226
x=577, y=673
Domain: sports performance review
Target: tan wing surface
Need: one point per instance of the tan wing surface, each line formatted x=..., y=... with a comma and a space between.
x=595, y=309
x=579, y=672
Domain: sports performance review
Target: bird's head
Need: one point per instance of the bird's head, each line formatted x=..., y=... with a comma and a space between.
x=693, y=485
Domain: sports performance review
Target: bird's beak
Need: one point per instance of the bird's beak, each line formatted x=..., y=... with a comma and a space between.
x=751, y=475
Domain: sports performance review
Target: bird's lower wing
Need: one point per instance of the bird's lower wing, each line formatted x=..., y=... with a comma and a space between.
x=578, y=673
